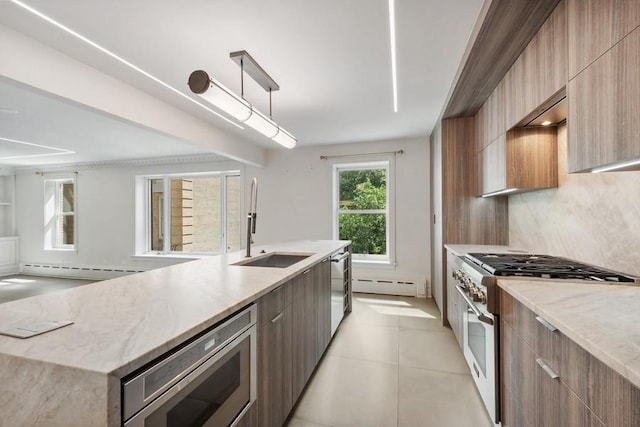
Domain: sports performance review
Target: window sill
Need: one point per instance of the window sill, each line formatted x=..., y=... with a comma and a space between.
x=61, y=249
x=169, y=256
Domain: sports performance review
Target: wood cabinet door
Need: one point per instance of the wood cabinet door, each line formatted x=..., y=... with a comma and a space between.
x=597, y=25
x=604, y=107
x=539, y=72
x=275, y=398
x=303, y=331
x=518, y=370
x=322, y=285
x=494, y=166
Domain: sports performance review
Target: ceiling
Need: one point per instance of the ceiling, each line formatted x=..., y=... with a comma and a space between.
x=330, y=58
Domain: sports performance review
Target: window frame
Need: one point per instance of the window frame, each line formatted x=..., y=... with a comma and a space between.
x=51, y=232
x=145, y=181
x=389, y=165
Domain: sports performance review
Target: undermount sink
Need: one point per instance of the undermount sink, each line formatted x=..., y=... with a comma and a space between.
x=276, y=260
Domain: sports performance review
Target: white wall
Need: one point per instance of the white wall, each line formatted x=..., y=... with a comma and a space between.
x=105, y=215
x=295, y=201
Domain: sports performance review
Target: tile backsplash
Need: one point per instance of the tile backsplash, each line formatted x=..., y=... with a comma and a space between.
x=593, y=218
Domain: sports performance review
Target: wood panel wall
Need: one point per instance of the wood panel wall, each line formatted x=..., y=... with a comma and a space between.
x=465, y=218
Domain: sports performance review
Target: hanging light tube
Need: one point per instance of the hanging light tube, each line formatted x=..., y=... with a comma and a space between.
x=217, y=94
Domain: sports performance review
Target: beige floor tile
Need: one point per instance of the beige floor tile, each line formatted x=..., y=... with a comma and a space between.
x=435, y=399
x=374, y=343
x=368, y=309
x=349, y=392
x=356, y=384
x=438, y=351
x=404, y=312
x=297, y=422
x=425, y=317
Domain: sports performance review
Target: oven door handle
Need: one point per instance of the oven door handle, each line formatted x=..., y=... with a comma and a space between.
x=481, y=316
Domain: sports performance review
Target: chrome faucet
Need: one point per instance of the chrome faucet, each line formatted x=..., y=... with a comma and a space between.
x=251, y=217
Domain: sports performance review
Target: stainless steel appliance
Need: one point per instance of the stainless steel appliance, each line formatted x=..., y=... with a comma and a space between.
x=210, y=381
x=476, y=276
x=339, y=287
x=480, y=335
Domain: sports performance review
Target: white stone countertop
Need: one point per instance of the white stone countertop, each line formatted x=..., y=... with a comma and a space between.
x=603, y=319
x=460, y=250
x=72, y=375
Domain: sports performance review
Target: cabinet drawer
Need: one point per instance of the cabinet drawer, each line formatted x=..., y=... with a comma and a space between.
x=606, y=393
x=271, y=304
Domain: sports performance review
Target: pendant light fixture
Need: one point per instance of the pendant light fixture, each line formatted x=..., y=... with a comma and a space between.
x=236, y=106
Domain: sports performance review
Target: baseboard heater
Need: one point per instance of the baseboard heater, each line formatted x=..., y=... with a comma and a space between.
x=77, y=272
x=385, y=286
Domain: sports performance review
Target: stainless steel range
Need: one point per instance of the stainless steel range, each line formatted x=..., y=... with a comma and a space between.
x=476, y=276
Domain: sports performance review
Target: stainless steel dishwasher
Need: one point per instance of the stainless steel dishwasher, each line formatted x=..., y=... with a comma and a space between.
x=339, y=289
x=210, y=381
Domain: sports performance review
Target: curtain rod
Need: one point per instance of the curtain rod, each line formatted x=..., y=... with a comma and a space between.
x=362, y=154
x=55, y=172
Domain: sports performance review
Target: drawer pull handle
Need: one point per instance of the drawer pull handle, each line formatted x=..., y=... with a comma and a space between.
x=276, y=289
x=278, y=317
x=547, y=369
x=306, y=271
x=546, y=324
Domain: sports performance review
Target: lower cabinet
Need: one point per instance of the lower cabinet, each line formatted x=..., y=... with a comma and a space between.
x=549, y=380
x=322, y=284
x=294, y=323
x=274, y=356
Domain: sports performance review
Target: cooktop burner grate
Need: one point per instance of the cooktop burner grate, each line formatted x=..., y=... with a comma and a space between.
x=545, y=266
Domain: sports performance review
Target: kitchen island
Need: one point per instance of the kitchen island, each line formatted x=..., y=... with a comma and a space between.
x=72, y=376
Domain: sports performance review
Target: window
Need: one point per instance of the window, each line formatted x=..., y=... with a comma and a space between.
x=362, y=202
x=193, y=213
x=60, y=213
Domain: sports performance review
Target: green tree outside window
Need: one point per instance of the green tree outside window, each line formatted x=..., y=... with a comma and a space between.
x=362, y=216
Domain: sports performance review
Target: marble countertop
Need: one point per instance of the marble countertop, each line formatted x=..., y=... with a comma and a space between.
x=460, y=250
x=122, y=324
x=603, y=319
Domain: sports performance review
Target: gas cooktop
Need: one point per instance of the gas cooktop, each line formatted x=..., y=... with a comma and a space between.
x=544, y=266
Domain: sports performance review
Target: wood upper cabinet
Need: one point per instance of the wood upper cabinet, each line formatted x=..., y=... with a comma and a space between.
x=525, y=159
x=604, y=108
x=490, y=119
x=586, y=392
x=595, y=26
x=540, y=71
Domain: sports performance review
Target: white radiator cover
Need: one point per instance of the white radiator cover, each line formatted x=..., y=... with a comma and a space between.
x=76, y=272
x=406, y=287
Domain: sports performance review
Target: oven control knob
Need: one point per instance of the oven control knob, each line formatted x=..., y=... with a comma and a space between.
x=477, y=295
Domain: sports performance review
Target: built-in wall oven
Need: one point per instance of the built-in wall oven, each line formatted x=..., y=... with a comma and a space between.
x=210, y=381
